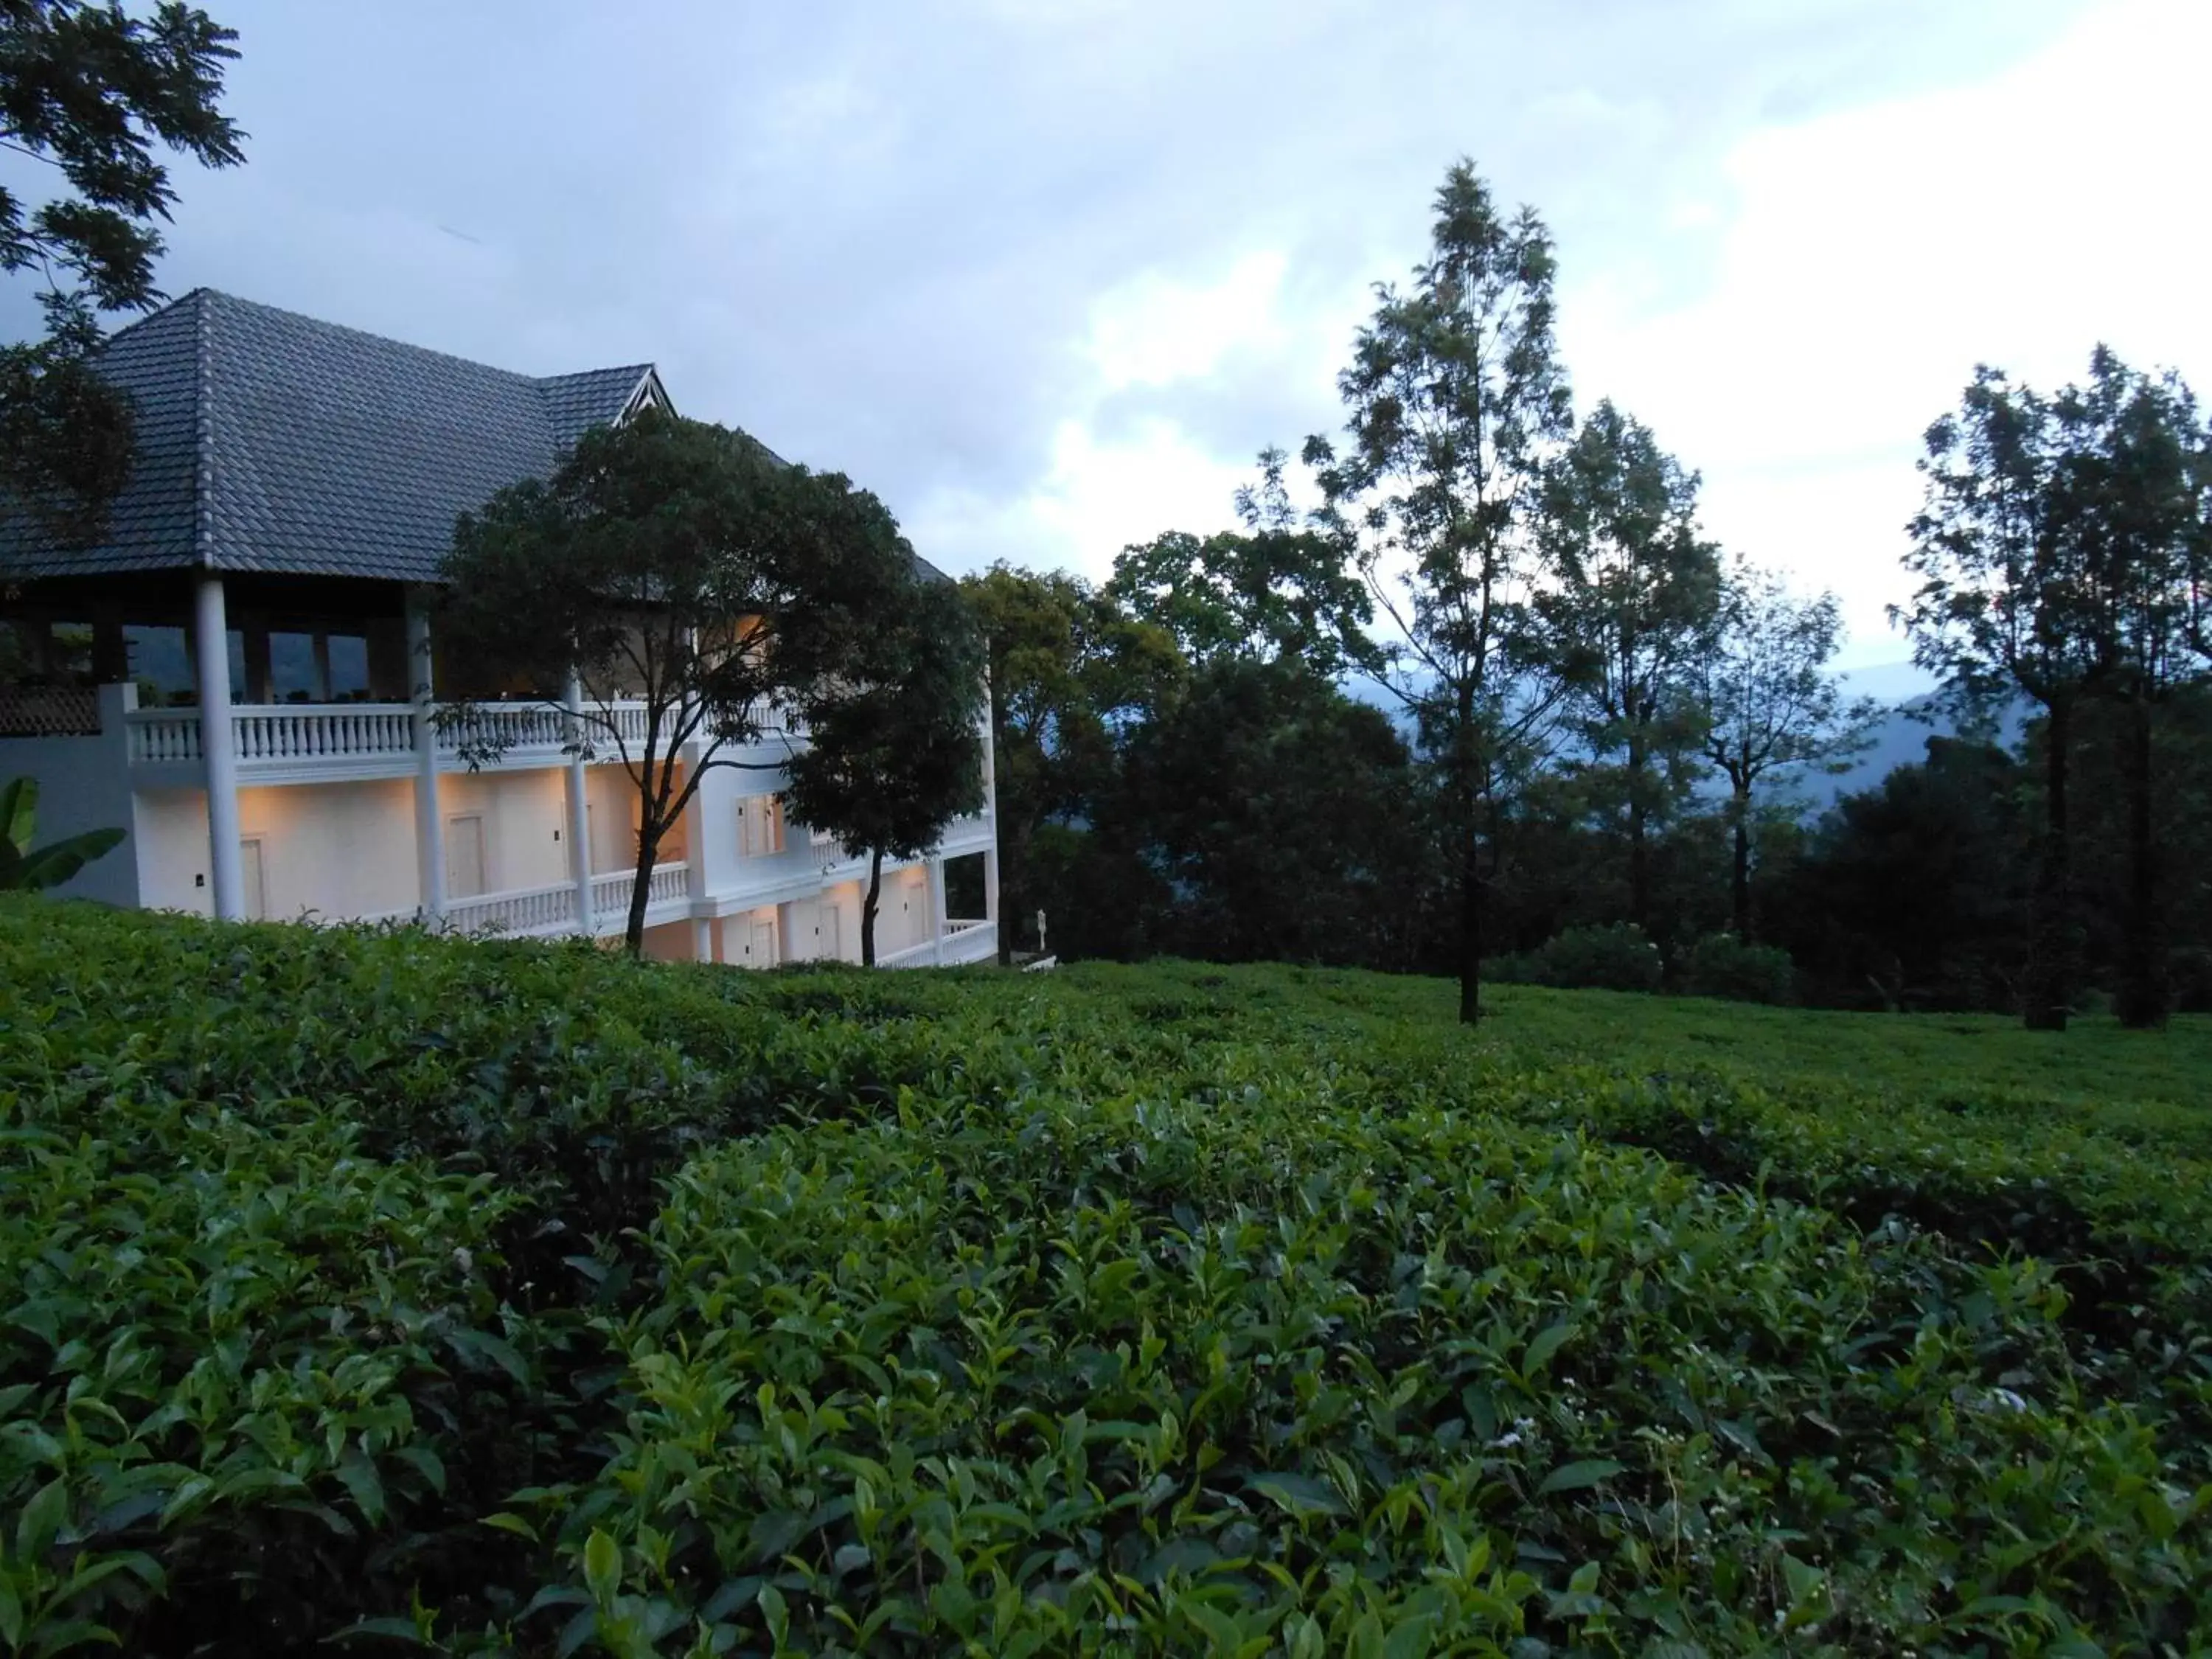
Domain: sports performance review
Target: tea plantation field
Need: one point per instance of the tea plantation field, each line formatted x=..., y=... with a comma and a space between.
x=369, y=1293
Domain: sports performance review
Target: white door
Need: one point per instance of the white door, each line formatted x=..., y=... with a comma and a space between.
x=257, y=887
x=760, y=945
x=465, y=856
x=832, y=948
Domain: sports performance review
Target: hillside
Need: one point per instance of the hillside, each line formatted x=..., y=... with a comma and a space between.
x=509, y=1297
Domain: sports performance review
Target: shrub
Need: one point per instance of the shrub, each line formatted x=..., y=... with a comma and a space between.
x=1618, y=957
x=1722, y=965
x=509, y=1298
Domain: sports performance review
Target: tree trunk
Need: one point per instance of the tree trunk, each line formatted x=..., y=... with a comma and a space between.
x=2049, y=979
x=640, y=887
x=1740, y=866
x=1009, y=868
x=1470, y=872
x=2142, y=1004
x=1639, y=855
x=868, y=907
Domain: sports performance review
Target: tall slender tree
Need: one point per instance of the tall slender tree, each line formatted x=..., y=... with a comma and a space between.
x=1455, y=401
x=2008, y=607
x=2132, y=497
x=1636, y=594
x=1770, y=706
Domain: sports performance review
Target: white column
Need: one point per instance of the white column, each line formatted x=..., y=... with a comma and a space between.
x=580, y=822
x=702, y=939
x=429, y=820
x=211, y=640
x=991, y=817
x=935, y=866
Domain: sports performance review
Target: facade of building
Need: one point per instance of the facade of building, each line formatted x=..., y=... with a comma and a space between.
x=243, y=676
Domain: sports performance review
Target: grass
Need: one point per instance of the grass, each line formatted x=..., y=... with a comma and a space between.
x=398, y=1293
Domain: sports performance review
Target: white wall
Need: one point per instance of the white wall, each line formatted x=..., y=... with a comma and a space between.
x=84, y=784
x=523, y=813
x=171, y=829
x=333, y=850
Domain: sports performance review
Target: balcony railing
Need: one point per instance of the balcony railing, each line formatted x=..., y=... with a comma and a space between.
x=322, y=740
x=961, y=941
x=538, y=910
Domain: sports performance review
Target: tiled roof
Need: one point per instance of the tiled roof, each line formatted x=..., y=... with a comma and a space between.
x=270, y=441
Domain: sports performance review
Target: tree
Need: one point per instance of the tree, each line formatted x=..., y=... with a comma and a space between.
x=1770, y=705
x=2015, y=600
x=1284, y=819
x=1275, y=591
x=92, y=92
x=1069, y=670
x=1455, y=402
x=1636, y=593
x=681, y=565
x=893, y=750
x=1916, y=890
x=25, y=868
x=2132, y=494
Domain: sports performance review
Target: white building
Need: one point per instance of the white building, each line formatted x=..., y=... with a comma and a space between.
x=242, y=675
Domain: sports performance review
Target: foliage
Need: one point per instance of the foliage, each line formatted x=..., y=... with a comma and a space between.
x=1454, y=402
x=1276, y=592
x=1069, y=671
x=1617, y=956
x=894, y=753
x=25, y=868
x=1636, y=592
x=93, y=91
x=524, y=1298
x=1771, y=708
x=1285, y=821
x=1917, y=890
x=680, y=564
x=1722, y=965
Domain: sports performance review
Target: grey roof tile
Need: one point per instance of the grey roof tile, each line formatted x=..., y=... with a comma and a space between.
x=270, y=441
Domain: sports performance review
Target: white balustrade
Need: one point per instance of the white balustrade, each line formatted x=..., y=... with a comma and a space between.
x=162, y=735
x=610, y=892
x=321, y=739
x=323, y=733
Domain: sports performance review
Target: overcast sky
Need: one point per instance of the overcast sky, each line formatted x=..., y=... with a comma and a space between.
x=1046, y=274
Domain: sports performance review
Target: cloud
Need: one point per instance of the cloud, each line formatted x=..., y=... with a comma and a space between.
x=1047, y=275
x=1870, y=258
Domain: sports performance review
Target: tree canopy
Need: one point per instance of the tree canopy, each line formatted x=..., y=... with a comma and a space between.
x=98, y=95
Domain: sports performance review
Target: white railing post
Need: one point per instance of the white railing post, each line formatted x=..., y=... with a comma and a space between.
x=211, y=638
x=935, y=866
x=579, y=822
x=430, y=823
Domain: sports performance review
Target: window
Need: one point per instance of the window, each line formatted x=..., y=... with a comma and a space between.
x=159, y=661
x=348, y=667
x=293, y=672
x=760, y=826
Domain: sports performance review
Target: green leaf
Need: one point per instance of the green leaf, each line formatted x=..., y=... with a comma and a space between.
x=1546, y=1343
x=776, y=1614
x=42, y=1520
x=1300, y=1494
x=602, y=1565
x=1573, y=1477
x=11, y=1614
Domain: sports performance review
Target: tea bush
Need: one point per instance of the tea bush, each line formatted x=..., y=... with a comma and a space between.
x=1722, y=965
x=368, y=1289
x=1615, y=957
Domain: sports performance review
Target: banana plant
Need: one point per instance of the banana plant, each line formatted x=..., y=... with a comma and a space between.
x=24, y=868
